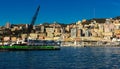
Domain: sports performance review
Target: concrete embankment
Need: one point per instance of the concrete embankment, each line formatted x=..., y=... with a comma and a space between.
x=91, y=44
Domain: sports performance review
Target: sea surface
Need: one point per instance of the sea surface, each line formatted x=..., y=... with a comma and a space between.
x=66, y=58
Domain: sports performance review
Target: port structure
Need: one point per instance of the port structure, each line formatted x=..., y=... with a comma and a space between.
x=30, y=27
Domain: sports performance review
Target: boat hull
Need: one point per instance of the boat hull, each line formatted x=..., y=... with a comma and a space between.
x=15, y=48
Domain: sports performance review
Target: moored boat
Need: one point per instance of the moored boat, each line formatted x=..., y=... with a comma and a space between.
x=34, y=45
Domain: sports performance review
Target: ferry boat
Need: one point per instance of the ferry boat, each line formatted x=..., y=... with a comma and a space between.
x=33, y=45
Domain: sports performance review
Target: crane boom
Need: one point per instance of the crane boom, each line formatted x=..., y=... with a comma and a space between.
x=35, y=16
x=33, y=20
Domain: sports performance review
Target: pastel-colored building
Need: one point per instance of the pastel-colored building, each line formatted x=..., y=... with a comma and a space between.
x=73, y=32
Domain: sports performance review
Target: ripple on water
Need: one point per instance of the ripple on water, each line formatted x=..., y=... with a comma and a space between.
x=66, y=58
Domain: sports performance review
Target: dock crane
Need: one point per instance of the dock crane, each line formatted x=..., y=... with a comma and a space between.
x=30, y=27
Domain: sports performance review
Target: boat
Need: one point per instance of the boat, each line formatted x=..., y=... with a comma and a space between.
x=33, y=45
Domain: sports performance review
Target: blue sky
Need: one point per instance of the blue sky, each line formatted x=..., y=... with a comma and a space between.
x=63, y=11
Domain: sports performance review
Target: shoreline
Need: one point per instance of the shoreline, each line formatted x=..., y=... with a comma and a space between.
x=90, y=44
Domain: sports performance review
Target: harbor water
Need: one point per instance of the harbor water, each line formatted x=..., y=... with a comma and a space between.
x=66, y=58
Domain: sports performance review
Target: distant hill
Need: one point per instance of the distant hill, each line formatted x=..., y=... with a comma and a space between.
x=118, y=17
x=98, y=20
